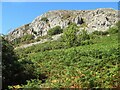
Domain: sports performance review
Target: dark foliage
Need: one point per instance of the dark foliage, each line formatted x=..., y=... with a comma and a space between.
x=55, y=30
x=16, y=72
x=44, y=19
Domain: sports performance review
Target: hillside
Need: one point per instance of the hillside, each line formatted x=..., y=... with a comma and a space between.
x=64, y=49
x=87, y=66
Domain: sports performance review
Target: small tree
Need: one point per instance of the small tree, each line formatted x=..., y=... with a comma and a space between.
x=69, y=35
x=83, y=36
x=14, y=71
x=10, y=65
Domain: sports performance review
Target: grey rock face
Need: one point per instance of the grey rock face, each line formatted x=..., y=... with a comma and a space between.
x=19, y=32
x=99, y=19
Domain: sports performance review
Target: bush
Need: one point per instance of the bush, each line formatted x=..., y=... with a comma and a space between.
x=118, y=24
x=22, y=40
x=69, y=35
x=100, y=32
x=44, y=19
x=86, y=42
x=16, y=41
x=55, y=30
x=113, y=30
x=33, y=83
x=84, y=35
x=84, y=38
x=10, y=65
x=27, y=37
x=41, y=37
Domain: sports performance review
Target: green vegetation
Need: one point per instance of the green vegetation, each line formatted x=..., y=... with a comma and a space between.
x=69, y=35
x=95, y=65
x=55, y=30
x=42, y=37
x=83, y=36
x=9, y=65
x=100, y=32
x=25, y=39
x=42, y=47
x=16, y=70
x=113, y=30
x=78, y=60
x=44, y=19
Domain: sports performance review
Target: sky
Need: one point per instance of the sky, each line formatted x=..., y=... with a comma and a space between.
x=16, y=14
x=60, y=0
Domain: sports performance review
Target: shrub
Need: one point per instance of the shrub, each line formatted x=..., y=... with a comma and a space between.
x=27, y=37
x=41, y=37
x=105, y=33
x=100, y=32
x=15, y=70
x=86, y=42
x=118, y=24
x=22, y=40
x=10, y=65
x=113, y=30
x=84, y=38
x=16, y=41
x=84, y=35
x=33, y=83
x=44, y=19
x=55, y=30
x=83, y=25
x=69, y=35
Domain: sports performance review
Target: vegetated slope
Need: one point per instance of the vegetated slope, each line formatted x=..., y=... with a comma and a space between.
x=53, y=38
x=90, y=66
x=77, y=59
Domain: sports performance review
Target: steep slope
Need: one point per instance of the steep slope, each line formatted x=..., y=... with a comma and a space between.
x=99, y=19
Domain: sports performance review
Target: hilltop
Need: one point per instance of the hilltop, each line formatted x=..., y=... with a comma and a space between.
x=100, y=19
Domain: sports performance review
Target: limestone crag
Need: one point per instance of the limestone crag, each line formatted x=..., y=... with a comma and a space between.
x=99, y=19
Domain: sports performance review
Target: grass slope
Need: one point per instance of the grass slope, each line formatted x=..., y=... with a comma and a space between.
x=89, y=66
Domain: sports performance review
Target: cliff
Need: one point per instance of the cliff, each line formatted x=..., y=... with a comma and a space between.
x=99, y=19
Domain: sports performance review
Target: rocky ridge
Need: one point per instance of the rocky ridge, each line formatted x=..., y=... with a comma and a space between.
x=99, y=19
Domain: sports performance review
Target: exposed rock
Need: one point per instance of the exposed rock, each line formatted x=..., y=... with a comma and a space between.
x=99, y=19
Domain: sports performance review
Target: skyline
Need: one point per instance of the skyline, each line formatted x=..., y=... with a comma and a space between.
x=16, y=14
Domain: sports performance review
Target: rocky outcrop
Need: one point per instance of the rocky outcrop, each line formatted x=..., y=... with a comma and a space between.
x=19, y=32
x=99, y=19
